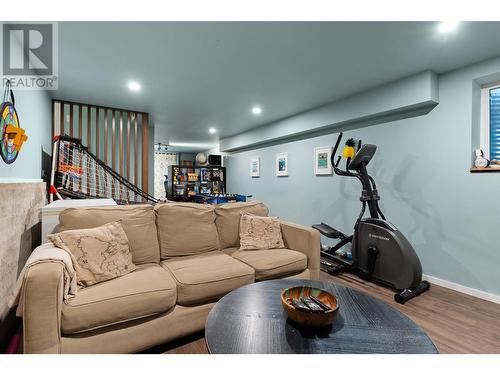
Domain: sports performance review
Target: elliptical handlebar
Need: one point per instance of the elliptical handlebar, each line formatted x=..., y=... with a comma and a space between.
x=369, y=186
x=336, y=147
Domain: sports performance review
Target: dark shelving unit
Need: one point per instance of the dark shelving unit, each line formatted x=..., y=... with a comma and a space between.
x=185, y=182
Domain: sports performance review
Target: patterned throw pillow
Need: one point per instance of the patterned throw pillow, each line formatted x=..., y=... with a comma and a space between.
x=98, y=254
x=260, y=233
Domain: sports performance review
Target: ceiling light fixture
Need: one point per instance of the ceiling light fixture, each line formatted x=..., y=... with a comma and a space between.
x=448, y=26
x=256, y=110
x=160, y=146
x=205, y=146
x=212, y=130
x=134, y=86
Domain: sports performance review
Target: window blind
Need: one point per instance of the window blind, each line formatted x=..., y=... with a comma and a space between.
x=495, y=124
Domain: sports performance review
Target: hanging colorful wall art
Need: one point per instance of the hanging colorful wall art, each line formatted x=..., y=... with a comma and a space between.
x=12, y=136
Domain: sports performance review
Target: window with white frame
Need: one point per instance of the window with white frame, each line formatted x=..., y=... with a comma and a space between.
x=490, y=121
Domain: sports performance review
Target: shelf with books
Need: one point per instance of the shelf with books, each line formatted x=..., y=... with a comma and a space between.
x=186, y=182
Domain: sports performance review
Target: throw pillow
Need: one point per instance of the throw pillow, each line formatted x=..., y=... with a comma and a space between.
x=260, y=233
x=98, y=254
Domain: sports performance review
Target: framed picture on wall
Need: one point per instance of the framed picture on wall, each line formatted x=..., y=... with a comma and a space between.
x=255, y=167
x=322, y=162
x=282, y=164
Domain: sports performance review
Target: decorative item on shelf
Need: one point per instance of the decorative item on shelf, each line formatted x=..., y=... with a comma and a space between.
x=205, y=175
x=216, y=188
x=192, y=177
x=322, y=162
x=255, y=167
x=12, y=136
x=215, y=160
x=217, y=175
x=282, y=164
x=480, y=161
x=205, y=189
x=201, y=158
x=179, y=175
x=309, y=306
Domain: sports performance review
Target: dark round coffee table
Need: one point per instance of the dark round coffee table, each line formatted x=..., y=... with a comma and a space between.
x=251, y=320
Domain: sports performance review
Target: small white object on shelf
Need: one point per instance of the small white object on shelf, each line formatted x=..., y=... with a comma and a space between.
x=481, y=161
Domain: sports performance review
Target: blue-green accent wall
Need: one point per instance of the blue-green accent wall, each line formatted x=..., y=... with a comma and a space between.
x=35, y=115
x=422, y=170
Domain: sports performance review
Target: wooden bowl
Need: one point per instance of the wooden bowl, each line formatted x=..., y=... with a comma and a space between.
x=305, y=317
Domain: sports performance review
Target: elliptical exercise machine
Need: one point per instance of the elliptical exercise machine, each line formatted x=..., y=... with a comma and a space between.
x=380, y=252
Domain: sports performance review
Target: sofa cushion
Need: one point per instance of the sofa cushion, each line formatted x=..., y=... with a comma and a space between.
x=306, y=274
x=186, y=229
x=206, y=277
x=230, y=250
x=260, y=233
x=228, y=220
x=138, y=222
x=147, y=291
x=98, y=254
x=269, y=264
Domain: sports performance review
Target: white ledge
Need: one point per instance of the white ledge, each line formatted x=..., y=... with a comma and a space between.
x=8, y=180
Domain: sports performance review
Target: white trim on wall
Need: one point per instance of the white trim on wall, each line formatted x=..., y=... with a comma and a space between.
x=463, y=289
x=7, y=180
x=484, y=137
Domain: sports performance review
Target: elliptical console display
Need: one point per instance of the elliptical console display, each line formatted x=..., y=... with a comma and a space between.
x=380, y=252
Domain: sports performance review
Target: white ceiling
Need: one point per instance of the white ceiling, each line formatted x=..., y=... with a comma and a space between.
x=195, y=75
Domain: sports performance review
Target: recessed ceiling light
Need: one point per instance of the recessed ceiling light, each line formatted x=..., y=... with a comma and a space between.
x=212, y=130
x=256, y=110
x=448, y=26
x=134, y=86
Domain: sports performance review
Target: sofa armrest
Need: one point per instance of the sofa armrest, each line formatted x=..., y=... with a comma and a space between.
x=42, y=296
x=307, y=241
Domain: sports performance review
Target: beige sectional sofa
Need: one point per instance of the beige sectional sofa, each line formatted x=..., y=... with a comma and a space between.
x=187, y=256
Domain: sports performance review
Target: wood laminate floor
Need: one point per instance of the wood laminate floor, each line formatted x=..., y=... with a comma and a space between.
x=456, y=322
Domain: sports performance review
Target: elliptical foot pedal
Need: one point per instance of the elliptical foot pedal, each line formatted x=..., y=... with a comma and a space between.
x=332, y=268
x=328, y=231
x=407, y=294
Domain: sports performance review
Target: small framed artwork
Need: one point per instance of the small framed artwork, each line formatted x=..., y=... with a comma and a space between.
x=255, y=167
x=282, y=164
x=322, y=162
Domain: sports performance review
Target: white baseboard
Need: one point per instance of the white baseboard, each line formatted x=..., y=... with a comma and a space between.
x=463, y=289
x=8, y=180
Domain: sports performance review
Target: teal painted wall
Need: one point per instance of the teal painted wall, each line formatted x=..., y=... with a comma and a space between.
x=35, y=115
x=422, y=170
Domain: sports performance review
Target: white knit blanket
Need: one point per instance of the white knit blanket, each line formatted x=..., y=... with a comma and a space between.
x=47, y=253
